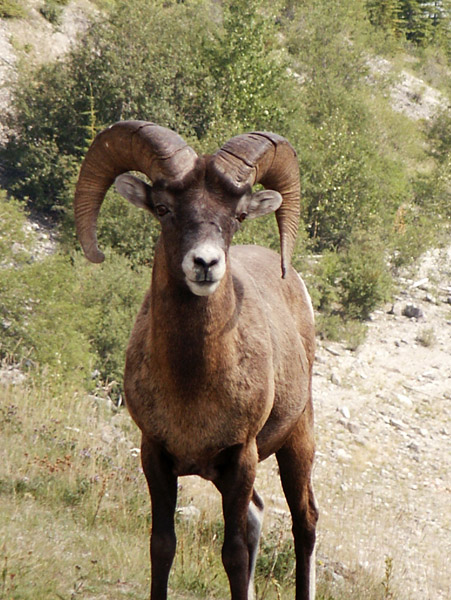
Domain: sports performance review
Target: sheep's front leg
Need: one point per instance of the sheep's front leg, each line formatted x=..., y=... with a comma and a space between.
x=162, y=484
x=235, y=482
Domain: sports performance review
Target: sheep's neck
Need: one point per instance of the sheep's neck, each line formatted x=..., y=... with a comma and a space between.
x=191, y=334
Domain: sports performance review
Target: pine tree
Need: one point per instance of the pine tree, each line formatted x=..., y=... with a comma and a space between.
x=383, y=14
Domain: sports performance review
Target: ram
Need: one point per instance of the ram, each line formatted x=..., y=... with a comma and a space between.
x=219, y=363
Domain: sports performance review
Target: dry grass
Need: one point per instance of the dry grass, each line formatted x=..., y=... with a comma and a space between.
x=74, y=514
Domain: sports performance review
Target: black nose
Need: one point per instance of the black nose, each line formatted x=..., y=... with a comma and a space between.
x=200, y=262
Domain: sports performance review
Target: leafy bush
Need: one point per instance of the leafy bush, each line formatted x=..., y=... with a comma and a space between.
x=42, y=326
x=62, y=315
x=52, y=10
x=353, y=281
x=14, y=242
x=212, y=70
x=66, y=318
x=366, y=280
x=111, y=293
x=11, y=9
x=351, y=175
x=203, y=76
x=132, y=232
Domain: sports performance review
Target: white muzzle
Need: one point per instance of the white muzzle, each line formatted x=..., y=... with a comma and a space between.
x=204, y=267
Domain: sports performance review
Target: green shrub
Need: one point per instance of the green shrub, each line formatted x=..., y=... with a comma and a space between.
x=351, y=174
x=338, y=328
x=322, y=276
x=14, y=241
x=112, y=293
x=365, y=281
x=11, y=9
x=41, y=324
x=353, y=281
x=61, y=315
x=65, y=318
x=177, y=66
x=132, y=232
x=52, y=10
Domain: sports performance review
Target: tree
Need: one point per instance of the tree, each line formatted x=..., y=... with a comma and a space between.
x=383, y=14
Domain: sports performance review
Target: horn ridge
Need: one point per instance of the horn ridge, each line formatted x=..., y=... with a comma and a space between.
x=156, y=151
x=266, y=158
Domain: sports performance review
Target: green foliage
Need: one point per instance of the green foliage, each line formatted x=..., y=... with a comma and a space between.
x=339, y=328
x=135, y=238
x=212, y=70
x=52, y=10
x=348, y=187
x=353, y=281
x=276, y=563
x=14, y=241
x=67, y=319
x=365, y=281
x=440, y=136
x=249, y=72
x=417, y=21
x=350, y=179
x=41, y=324
x=111, y=295
x=204, y=77
x=384, y=14
x=11, y=9
x=60, y=315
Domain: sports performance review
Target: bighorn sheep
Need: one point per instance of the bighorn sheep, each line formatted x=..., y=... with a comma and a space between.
x=219, y=364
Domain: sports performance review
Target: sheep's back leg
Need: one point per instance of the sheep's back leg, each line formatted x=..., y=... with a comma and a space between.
x=295, y=460
x=254, y=529
x=242, y=524
x=162, y=484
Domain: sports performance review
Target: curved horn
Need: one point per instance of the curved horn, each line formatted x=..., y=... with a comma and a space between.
x=269, y=159
x=125, y=146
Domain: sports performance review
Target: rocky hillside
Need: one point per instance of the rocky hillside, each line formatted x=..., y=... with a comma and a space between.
x=34, y=39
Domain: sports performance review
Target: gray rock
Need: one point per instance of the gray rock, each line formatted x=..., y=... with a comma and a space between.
x=413, y=446
x=335, y=379
x=352, y=427
x=397, y=423
x=345, y=412
x=412, y=312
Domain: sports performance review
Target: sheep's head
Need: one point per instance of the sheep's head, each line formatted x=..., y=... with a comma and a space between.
x=198, y=201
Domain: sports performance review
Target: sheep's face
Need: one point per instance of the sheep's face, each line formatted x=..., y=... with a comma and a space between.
x=197, y=224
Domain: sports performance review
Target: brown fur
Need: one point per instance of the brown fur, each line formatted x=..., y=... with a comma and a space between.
x=218, y=382
x=225, y=380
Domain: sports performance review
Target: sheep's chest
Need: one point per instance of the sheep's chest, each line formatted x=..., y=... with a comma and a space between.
x=196, y=416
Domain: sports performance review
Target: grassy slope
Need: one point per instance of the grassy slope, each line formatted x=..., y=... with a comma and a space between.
x=74, y=512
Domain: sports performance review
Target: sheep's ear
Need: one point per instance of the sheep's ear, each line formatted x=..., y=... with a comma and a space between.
x=261, y=203
x=135, y=190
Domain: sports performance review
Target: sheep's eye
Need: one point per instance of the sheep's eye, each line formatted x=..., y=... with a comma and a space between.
x=161, y=210
x=241, y=217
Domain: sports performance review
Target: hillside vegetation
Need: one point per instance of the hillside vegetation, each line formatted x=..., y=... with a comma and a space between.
x=330, y=75
x=375, y=183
